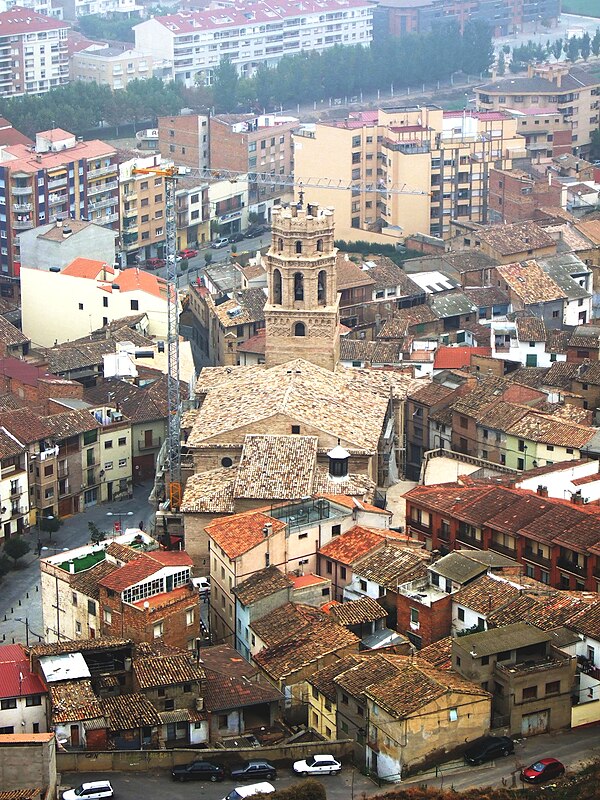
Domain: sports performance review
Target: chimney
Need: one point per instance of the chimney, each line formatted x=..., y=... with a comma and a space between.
x=577, y=499
x=72, y=567
x=542, y=491
x=267, y=530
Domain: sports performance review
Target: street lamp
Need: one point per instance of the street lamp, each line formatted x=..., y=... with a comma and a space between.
x=120, y=515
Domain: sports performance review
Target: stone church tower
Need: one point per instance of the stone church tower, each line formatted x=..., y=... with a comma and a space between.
x=302, y=312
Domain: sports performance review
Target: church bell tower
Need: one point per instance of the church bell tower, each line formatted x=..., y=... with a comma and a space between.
x=302, y=312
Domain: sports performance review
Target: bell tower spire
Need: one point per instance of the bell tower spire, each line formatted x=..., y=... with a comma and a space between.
x=302, y=311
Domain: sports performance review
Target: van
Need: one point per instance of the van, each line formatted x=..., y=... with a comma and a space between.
x=241, y=792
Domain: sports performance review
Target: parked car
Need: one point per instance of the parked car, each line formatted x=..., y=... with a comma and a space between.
x=241, y=792
x=155, y=263
x=219, y=243
x=96, y=790
x=543, y=770
x=489, y=747
x=198, y=771
x=236, y=237
x=187, y=253
x=256, y=230
x=203, y=586
x=317, y=765
x=257, y=768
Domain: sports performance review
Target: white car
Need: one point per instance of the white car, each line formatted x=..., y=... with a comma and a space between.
x=241, y=792
x=317, y=765
x=96, y=790
x=202, y=585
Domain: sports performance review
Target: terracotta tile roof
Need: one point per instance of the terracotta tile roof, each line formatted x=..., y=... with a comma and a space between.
x=587, y=373
x=138, y=404
x=500, y=414
x=244, y=307
x=79, y=646
x=324, y=679
x=11, y=335
x=516, y=238
x=255, y=344
x=366, y=672
x=210, y=492
x=439, y=653
x=457, y=357
x=355, y=543
x=135, y=571
x=551, y=430
x=485, y=594
x=557, y=342
x=226, y=691
x=561, y=374
x=284, y=621
x=416, y=684
x=486, y=296
x=325, y=400
x=531, y=329
x=276, y=467
x=585, y=336
x=22, y=794
x=386, y=274
x=545, y=610
x=351, y=487
x=356, y=612
x=166, y=670
x=128, y=712
x=72, y=423
x=349, y=274
x=392, y=565
x=398, y=326
x=122, y=552
x=9, y=446
x=588, y=621
x=73, y=700
x=261, y=584
x=377, y=352
x=87, y=582
x=530, y=283
x=431, y=394
x=26, y=425
x=486, y=391
x=241, y=532
x=304, y=648
x=590, y=229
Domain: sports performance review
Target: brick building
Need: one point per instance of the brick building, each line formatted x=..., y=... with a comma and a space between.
x=514, y=195
x=557, y=541
x=185, y=139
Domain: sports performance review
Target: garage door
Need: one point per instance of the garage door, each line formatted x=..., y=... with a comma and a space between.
x=535, y=723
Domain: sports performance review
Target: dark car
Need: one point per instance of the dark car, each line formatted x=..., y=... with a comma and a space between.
x=256, y=230
x=236, y=237
x=543, y=770
x=488, y=748
x=258, y=768
x=198, y=771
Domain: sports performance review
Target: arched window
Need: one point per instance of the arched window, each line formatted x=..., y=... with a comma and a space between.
x=280, y=245
x=298, y=246
x=298, y=286
x=299, y=329
x=319, y=245
x=276, y=287
x=322, y=288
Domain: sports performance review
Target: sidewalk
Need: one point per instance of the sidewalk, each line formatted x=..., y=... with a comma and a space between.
x=20, y=598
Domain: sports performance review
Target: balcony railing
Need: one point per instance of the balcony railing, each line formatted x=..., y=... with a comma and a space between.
x=511, y=552
x=109, y=201
x=419, y=526
x=96, y=173
x=102, y=187
x=23, y=224
x=149, y=445
x=533, y=555
x=21, y=190
x=443, y=534
x=468, y=538
x=22, y=206
x=571, y=566
x=56, y=182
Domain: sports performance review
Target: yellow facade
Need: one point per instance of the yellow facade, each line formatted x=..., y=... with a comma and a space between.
x=435, y=162
x=142, y=199
x=115, y=462
x=322, y=714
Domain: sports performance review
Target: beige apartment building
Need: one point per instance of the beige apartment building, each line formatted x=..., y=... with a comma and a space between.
x=434, y=165
x=142, y=201
x=571, y=91
x=110, y=66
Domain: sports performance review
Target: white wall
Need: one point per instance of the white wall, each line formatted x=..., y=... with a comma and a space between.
x=560, y=482
x=28, y=715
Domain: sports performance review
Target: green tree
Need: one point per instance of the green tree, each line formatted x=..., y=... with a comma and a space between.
x=96, y=535
x=557, y=48
x=585, y=46
x=572, y=48
x=596, y=43
x=477, y=48
x=5, y=565
x=309, y=789
x=595, y=145
x=110, y=26
x=501, y=66
x=225, y=86
x=207, y=258
x=16, y=547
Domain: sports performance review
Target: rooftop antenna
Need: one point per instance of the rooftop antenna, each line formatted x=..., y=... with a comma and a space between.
x=300, y=195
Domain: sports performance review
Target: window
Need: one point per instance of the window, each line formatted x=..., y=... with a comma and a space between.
x=529, y=692
x=452, y=714
x=504, y=655
x=122, y=441
x=7, y=729
x=329, y=567
x=105, y=302
x=296, y=429
x=414, y=618
x=81, y=306
x=485, y=660
x=189, y=616
x=299, y=329
x=107, y=616
x=169, y=704
x=267, y=559
x=461, y=614
x=74, y=598
x=92, y=608
x=226, y=462
x=363, y=586
x=343, y=573
x=108, y=444
x=158, y=630
x=553, y=687
x=11, y=702
x=345, y=699
x=336, y=530
x=135, y=305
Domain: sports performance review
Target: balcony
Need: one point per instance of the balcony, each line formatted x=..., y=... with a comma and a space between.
x=17, y=511
x=16, y=491
x=109, y=219
x=533, y=555
x=22, y=206
x=419, y=526
x=23, y=224
x=444, y=534
x=111, y=169
x=102, y=187
x=21, y=190
x=571, y=566
x=57, y=199
x=511, y=552
x=55, y=183
x=469, y=538
x=63, y=471
x=144, y=444
x=109, y=201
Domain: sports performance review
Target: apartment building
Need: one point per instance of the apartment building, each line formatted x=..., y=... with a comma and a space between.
x=571, y=91
x=142, y=204
x=14, y=486
x=548, y=134
x=192, y=207
x=435, y=164
x=110, y=66
x=247, y=143
x=72, y=9
x=401, y=17
x=33, y=52
x=61, y=177
x=196, y=41
x=184, y=139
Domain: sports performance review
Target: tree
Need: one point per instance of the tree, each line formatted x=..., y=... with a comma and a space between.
x=595, y=146
x=207, y=258
x=596, y=43
x=585, y=46
x=572, y=48
x=16, y=547
x=501, y=66
x=477, y=48
x=96, y=535
x=309, y=789
x=5, y=565
x=557, y=48
x=225, y=86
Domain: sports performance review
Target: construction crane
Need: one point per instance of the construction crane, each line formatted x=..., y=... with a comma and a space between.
x=170, y=175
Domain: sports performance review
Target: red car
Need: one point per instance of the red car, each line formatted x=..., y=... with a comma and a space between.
x=543, y=770
x=187, y=253
x=155, y=263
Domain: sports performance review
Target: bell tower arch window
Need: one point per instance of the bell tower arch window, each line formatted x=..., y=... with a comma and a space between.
x=277, y=294
x=322, y=288
x=299, y=329
x=298, y=286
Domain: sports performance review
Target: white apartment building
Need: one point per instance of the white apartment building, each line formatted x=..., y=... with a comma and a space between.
x=33, y=52
x=261, y=33
x=72, y=9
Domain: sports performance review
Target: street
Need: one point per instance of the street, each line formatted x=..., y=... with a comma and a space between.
x=20, y=600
